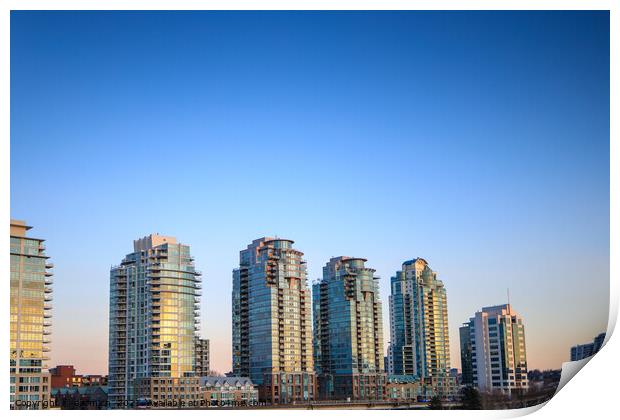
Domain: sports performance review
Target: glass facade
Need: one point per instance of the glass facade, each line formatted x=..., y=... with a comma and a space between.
x=420, y=343
x=348, y=331
x=272, y=331
x=30, y=311
x=154, y=315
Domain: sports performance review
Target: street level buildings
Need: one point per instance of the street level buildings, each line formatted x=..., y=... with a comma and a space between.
x=419, y=343
x=154, y=312
x=497, y=357
x=30, y=322
x=402, y=388
x=272, y=324
x=581, y=351
x=65, y=376
x=228, y=391
x=348, y=331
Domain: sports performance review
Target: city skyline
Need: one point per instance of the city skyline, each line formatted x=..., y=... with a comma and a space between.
x=496, y=173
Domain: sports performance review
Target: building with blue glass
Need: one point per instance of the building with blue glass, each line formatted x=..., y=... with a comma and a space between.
x=348, y=331
x=272, y=325
x=153, y=323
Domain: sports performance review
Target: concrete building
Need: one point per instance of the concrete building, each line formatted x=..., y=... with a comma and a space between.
x=30, y=309
x=419, y=339
x=272, y=325
x=201, y=354
x=348, y=331
x=228, y=391
x=154, y=312
x=167, y=391
x=498, y=355
x=581, y=351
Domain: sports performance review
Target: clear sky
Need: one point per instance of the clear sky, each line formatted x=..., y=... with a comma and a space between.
x=476, y=140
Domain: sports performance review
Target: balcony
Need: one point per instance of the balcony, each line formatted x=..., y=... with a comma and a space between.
x=47, y=307
x=49, y=265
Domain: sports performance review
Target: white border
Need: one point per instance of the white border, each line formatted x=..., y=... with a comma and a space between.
x=593, y=394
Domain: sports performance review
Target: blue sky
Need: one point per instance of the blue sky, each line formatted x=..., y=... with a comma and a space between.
x=477, y=140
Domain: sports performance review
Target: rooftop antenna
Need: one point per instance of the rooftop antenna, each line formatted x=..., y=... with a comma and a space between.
x=508, y=293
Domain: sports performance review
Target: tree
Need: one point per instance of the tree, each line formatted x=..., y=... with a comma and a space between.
x=471, y=399
x=436, y=403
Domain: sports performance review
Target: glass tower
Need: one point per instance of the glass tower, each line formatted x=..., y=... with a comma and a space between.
x=348, y=331
x=272, y=331
x=497, y=350
x=154, y=315
x=420, y=343
x=31, y=294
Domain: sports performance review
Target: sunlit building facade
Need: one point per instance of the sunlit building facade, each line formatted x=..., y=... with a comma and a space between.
x=348, y=331
x=154, y=312
x=31, y=296
x=498, y=357
x=420, y=344
x=272, y=326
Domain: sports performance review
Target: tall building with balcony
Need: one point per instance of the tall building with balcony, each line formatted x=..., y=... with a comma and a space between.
x=154, y=312
x=272, y=331
x=201, y=353
x=420, y=344
x=31, y=296
x=498, y=357
x=348, y=331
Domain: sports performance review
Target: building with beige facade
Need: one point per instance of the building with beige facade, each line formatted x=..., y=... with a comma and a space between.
x=420, y=343
x=30, y=322
x=272, y=325
x=228, y=391
x=496, y=344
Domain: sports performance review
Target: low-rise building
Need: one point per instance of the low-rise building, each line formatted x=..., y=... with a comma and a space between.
x=81, y=398
x=162, y=391
x=402, y=388
x=222, y=391
x=65, y=376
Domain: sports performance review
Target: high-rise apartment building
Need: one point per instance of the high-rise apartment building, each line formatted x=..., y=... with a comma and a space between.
x=272, y=326
x=498, y=357
x=201, y=354
x=581, y=351
x=467, y=371
x=31, y=294
x=348, y=331
x=420, y=344
x=154, y=312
